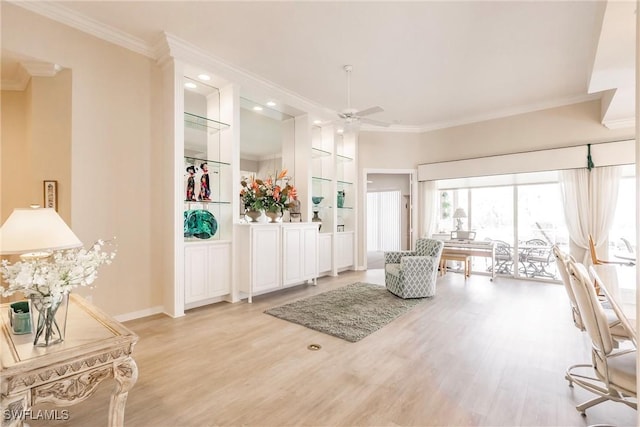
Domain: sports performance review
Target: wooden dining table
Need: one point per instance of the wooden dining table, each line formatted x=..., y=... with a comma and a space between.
x=618, y=284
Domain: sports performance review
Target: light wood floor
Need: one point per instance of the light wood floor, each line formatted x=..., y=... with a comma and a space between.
x=479, y=353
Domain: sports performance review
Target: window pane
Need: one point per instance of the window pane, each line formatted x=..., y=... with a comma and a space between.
x=624, y=222
x=540, y=225
x=491, y=217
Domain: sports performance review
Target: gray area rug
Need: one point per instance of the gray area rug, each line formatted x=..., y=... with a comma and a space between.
x=351, y=312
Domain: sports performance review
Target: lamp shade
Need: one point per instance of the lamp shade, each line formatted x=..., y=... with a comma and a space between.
x=459, y=213
x=35, y=229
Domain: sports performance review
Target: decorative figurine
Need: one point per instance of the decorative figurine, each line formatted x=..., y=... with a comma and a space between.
x=191, y=184
x=205, y=190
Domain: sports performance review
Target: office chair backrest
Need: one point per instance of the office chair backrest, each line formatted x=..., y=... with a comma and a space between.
x=591, y=311
x=562, y=260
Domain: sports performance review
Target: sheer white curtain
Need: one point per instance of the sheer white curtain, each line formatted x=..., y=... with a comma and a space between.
x=428, y=208
x=574, y=188
x=603, y=199
x=589, y=199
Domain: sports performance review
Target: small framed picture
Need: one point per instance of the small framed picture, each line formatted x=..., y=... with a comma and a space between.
x=51, y=194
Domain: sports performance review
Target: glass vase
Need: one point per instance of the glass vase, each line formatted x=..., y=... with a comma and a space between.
x=48, y=318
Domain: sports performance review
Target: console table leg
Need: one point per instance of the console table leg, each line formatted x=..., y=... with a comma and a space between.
x=125, y=373
x=14, y=409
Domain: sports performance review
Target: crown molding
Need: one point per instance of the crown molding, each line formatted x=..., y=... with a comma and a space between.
x=26, y=70
x=499, y=114
x=40, y=69
x=628, y=122
x=392, y=128
x=59, y=13
x=169, y=46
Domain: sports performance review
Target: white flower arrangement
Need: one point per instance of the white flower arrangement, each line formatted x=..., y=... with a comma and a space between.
x=55, y=275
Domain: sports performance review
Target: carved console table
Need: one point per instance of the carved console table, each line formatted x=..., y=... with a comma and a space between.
x=96, y=347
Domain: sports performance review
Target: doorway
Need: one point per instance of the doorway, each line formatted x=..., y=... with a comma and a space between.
x=388, y=215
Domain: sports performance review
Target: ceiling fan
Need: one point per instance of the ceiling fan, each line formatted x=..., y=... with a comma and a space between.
x=351, y=116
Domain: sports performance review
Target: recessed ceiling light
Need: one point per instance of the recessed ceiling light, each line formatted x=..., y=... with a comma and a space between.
x=204, y=77
x=257, y=108
x=190, y=85
x=317, y=122
x=271, y=104
x=340, y=131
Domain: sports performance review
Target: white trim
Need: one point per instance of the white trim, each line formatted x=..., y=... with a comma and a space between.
x=620, y=123
x=139, y=314
x=40, y=68
x=177, y=47
x=86, y=24
x=498, y=114
x=363, y=212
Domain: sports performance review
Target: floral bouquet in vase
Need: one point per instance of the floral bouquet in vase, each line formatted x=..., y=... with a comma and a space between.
x=274, y=196
x=47, y=281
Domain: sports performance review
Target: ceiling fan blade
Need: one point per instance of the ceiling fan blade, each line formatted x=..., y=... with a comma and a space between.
x=371, y=110
x=375, y=122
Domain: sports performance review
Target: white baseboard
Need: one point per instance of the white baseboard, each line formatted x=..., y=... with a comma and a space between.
x=138, y=314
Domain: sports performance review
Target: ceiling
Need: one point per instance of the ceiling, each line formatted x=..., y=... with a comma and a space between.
x=428, y=64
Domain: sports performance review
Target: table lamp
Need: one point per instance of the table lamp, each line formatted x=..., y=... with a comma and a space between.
x=35, y=233
x=458, y=215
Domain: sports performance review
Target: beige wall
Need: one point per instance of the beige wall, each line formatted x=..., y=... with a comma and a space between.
x=36, y=143
x=113, y=184
x=14, y=151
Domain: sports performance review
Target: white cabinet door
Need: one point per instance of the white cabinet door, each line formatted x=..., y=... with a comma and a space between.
x=344, y=255
x=300, y=253
x=195, y=273
x=324, y=253
x=293, y=255
x=265, y=257
x=207, y=271
x=310, y=250
x=219, y=262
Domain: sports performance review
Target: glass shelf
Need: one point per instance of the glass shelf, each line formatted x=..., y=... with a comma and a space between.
x=342, y=158
x=212, y=163
x=318, y=153
x=201, y=123
x=320, y=179
x=344, y=183
x=346, y=207
x=206, y=202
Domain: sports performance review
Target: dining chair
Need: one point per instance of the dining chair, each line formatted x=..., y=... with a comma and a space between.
x=503, y=259
x=594, y=255
x=612, y=375
x=535, y=258
x=618, y=332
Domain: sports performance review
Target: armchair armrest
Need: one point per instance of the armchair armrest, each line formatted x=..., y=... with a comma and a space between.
x=394, y=257
x=419, y=264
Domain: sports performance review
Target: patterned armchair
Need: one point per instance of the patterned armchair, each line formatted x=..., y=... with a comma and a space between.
x=413, y=274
